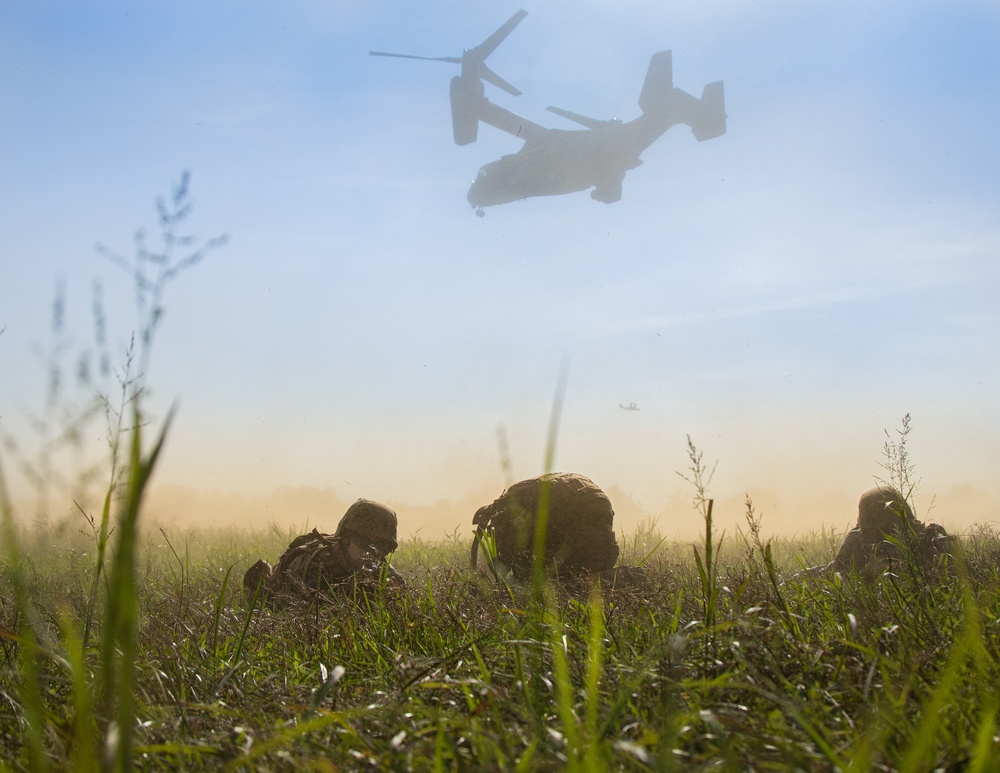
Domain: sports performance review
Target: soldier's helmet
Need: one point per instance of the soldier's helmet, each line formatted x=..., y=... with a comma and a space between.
x=372, y=523
x=883, y=509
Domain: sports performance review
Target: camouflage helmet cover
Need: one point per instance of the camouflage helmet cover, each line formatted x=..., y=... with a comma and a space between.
x=372, y=522
x=883, y=508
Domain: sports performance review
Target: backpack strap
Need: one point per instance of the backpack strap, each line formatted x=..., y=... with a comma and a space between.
x=482, y=520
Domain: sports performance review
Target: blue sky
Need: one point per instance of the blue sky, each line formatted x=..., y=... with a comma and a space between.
x=782, y=294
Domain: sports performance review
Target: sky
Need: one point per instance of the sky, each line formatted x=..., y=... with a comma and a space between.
x=782, y=295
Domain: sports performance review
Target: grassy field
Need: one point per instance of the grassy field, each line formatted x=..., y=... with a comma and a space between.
x=126, y=646
x=721, y=661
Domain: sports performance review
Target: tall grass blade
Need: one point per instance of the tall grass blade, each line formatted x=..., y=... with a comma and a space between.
x=29, y=683
x=564, y=688
x=102, y=543
x=217, y=613
x=545, y=493
x=118, y=646
x=83, y=752
x=595, y=670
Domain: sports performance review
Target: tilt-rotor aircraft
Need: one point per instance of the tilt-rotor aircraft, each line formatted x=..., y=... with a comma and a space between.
x=557, y=161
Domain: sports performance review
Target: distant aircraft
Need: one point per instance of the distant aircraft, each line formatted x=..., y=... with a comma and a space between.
x=557, y=161
x=629, y=407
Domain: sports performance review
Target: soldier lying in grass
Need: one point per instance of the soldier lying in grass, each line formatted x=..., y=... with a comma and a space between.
x=887, y=537
x=315, y=562
x=580, y=540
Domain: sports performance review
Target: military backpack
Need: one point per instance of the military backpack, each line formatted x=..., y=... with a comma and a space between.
x=580, y=533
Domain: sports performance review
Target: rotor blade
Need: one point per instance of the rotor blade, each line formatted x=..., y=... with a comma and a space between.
x=488, y=75
x=486, y=48
x=452, y=59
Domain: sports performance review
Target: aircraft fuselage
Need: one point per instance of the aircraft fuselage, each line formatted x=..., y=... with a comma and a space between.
x=563, y=161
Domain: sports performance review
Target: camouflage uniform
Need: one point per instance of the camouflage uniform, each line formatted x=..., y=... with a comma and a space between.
x=316, y=562
x=883, y=512
x=580, y=537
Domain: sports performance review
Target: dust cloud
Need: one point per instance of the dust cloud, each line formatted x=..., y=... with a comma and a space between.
x=299, y=509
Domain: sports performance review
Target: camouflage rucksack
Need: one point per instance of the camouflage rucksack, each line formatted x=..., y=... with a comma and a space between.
x=312, y=562
x=580, y=534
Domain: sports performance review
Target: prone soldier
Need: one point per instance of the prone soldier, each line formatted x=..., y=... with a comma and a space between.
x=885, y=523
x=316, y=562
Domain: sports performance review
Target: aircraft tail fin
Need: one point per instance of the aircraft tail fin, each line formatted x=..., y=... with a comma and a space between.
x=710, y=120
x=659, y=83
x=661, y=101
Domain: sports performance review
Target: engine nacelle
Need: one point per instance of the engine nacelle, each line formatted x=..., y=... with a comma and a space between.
x=466, y=96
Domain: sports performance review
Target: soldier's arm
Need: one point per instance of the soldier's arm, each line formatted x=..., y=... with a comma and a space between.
x=851, y=552
x=391, y=575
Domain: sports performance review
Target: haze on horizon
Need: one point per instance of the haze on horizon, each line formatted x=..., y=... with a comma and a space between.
x=782, y=294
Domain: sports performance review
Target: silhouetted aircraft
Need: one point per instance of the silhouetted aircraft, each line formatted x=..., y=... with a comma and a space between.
x=629, y=407
x=556, y=161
